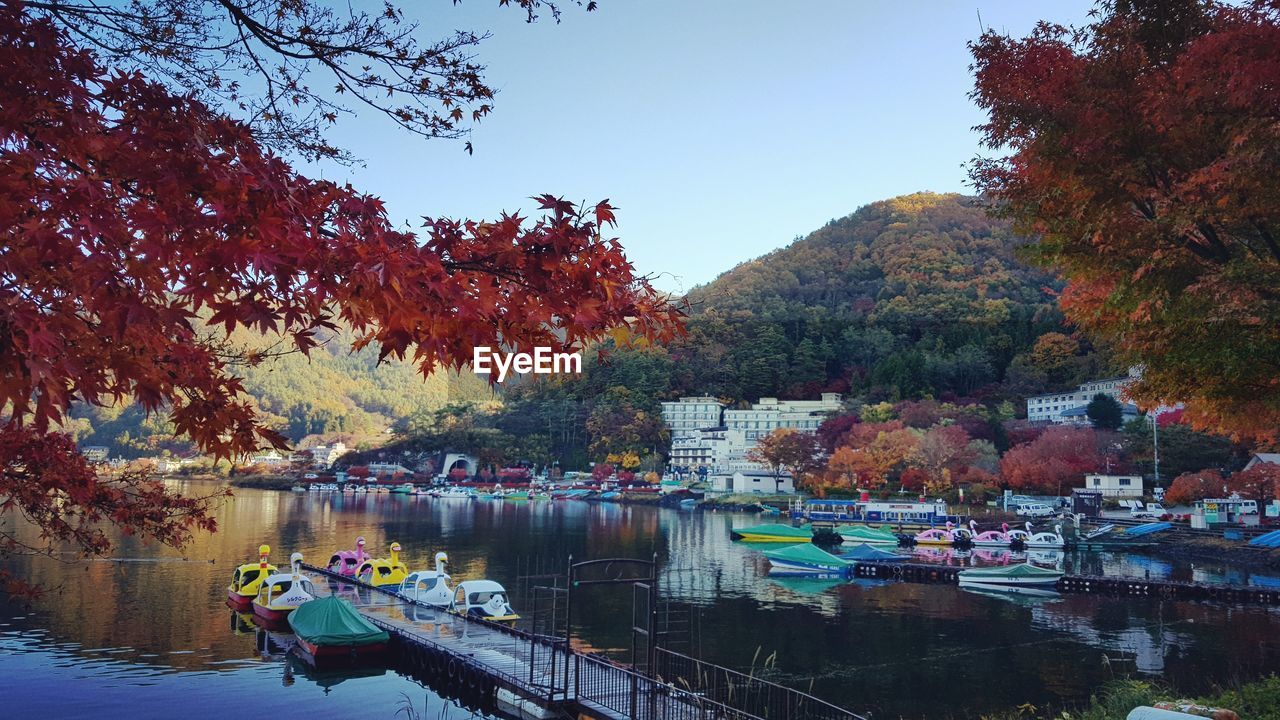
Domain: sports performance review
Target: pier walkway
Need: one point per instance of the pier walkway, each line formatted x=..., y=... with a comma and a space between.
x=503, y=670
x=1087, y=584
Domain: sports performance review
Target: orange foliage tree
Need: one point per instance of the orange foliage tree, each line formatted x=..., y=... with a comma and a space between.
x=1054, y=461
x=1141, y=152
x=128, y=210
x=787, y=449
x=1192, y=486
x=1260, y=482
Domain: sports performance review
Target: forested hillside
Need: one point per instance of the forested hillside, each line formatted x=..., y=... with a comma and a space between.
x=334, y=391
x=917, y=295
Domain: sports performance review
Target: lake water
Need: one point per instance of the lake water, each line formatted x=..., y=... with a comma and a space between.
x=149, y=634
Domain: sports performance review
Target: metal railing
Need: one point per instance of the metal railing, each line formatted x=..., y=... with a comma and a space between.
x=730, y=688
x=637, y=696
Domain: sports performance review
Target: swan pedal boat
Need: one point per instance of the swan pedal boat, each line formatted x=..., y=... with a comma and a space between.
x=246, y=580
x=379, y=572
x=282, y=593
x=429, y=587
x=347, y=562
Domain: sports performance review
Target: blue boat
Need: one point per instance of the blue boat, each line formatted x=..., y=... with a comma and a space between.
x=805, y=559
x=869, y=553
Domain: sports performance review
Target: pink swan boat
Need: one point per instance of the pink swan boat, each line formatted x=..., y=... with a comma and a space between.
x=346, y=562
x=990, y=538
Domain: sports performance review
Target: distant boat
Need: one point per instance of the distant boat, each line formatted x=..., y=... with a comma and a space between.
x=1010, y=578
x=805, y=558
x=404, y=489
x=775, y=532
x=857, y=534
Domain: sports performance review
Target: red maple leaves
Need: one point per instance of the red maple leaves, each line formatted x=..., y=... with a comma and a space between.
x=127, y=211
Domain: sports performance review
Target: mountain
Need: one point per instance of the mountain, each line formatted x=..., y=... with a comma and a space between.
x=917, y=295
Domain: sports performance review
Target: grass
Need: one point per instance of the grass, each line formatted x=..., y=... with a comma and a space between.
x=1258, y=700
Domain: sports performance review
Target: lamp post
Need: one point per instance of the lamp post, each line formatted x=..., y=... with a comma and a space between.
x=1155, y=444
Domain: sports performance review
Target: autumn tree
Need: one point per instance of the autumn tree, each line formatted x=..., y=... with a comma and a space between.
x=128, y=210
x=943, y=451
x=786, y=449
x=1189, y=487
x=1140, y=151
x=1055, y=460
x=876, y=451
x=1260, y=483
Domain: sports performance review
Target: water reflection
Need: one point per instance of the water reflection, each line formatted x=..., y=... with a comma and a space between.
x=868, y=644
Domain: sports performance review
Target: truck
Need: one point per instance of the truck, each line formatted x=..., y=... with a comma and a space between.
x=1152, y=510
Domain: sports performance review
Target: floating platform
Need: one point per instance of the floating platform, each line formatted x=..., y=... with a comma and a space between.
x=1086, y=584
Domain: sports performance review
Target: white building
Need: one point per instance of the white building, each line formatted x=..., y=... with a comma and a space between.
x=759, y=482
x=706, y=436
x=270, y=458
x=1122, y=486
x=1259, y=458
x=325, y=455
x=380, y=469
x=689, y=414
x=1067, y=408
x=95, y=453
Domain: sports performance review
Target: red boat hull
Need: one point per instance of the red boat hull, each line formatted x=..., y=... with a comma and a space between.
x=340, y=654
x=239, y=602
x=271, y=616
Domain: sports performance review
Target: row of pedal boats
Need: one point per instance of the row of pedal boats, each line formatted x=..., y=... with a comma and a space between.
x=950, y=535
x=331, y=626
x=458, y=492
x=804, y=559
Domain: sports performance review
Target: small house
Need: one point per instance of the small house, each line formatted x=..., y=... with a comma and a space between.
x=1116, y=486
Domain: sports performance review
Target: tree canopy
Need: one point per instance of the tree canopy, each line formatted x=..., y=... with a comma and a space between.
x=128, y=210
x=1140, y=151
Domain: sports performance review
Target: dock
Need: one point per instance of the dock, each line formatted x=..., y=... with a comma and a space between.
x=1086, y=584
x=513, y=673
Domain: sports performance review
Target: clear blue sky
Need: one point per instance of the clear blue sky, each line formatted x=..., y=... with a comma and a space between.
x=721, y=129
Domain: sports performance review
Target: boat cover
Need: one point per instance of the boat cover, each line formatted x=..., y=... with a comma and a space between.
x=866, y=552
x=1024, y=570
x=777, y=530
x=864, y=533
x=1147, y=529
x=334, y=621
x=808, y=554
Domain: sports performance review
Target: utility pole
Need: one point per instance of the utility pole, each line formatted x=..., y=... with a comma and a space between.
x=1155, y=444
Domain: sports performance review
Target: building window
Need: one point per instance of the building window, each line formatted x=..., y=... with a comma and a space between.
x=1097, y=482
x=1124, y=482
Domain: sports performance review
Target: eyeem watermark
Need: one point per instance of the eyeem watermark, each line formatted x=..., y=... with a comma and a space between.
x=542, y=361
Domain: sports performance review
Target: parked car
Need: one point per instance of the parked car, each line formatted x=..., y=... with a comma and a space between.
x=310, y=476
x=1035, y=510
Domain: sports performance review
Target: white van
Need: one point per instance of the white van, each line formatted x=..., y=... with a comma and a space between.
x=1035, y=510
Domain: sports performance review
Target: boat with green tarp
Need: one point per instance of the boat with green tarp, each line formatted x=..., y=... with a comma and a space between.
x=858, y=534
x=775, y=532
x=331, y=629
x=1010, y=578
x=805, y=558
x=867, y=552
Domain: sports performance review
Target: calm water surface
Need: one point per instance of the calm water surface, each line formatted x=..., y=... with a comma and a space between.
x=149, y=634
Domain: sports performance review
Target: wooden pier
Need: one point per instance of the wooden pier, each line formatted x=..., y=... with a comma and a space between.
x=504, y=671
x=1086, y=584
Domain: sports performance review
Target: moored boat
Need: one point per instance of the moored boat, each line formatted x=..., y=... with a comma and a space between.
x=1051, y=540
x=331, y=629
x=775, y=532
x=805, y=558
x=990, y=538
x=484, y=600
x=384, y=571
x=347, y=562
x=247, y=578
x=430, y=587
x=403, y=489
x=867, y=552
x=282, y=593
x=1010, y=578
x=858, y=534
